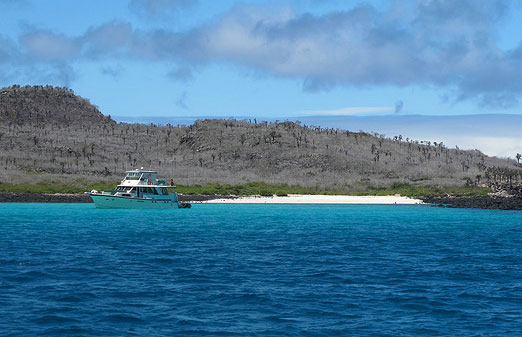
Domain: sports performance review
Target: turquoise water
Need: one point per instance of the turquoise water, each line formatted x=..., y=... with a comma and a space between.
x=259, y=270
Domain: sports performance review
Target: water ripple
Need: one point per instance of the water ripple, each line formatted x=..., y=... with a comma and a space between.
x=259, y=270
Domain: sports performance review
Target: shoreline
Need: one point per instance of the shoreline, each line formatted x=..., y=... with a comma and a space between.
x=491, y=201
x=318, y=199
x=224, y=199
x=44, y=197
x=28, y=197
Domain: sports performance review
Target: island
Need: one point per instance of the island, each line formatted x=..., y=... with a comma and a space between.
x=57, y=145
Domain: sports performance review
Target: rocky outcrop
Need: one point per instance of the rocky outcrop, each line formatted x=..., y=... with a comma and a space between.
x=42, y=197
x=492, y=201
x=46, y=105
x=84, y=198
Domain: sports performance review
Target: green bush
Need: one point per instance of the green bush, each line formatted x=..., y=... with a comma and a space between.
x=57, y=187
x=258, y=188
x=266, y=193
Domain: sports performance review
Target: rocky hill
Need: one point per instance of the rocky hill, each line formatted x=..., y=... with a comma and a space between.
x=40, y=106
x=50, y=133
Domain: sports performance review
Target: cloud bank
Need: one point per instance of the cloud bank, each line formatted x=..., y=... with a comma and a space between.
x=159, y=8
x=349, y=111
x=446, y=44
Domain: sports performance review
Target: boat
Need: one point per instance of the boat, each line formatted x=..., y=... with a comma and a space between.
x=139, y=189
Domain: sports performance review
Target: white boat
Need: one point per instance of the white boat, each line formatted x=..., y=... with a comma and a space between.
x=139, y=189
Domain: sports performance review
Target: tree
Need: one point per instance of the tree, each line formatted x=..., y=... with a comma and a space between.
x=518, y=156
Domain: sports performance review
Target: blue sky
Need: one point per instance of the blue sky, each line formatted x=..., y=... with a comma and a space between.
x=269, y=58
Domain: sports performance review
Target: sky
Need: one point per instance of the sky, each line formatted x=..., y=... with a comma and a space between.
x=187, y=58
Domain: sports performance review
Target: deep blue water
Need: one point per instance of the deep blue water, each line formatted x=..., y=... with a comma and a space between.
x=259, y=270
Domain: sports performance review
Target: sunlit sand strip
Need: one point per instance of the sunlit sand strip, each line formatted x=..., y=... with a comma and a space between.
x=320, y=199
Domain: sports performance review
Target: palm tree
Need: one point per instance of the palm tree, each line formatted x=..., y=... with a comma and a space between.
x=518, y=156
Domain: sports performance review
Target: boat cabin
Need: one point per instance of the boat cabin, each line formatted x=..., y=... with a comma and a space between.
x=142, y=184
x=141, y=192
x=139, y=189
x=140, y=175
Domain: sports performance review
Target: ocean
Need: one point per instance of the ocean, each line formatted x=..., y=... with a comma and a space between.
x=260, y=270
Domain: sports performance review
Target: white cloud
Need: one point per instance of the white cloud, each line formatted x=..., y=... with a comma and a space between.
x=159, y=8
x=50, y=47
x=492, y=146
x=349, y=111
x=445, y=44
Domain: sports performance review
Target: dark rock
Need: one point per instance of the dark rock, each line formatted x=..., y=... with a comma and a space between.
x=42, y=197
x=479, y=201
x=84, y=198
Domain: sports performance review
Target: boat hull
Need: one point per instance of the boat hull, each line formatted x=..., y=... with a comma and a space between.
x=108, y=201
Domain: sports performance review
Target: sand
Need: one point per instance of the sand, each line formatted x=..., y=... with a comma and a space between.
x=319, y=199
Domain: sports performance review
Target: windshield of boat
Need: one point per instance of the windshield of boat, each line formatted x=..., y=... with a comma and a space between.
x=124, y=189
x=132, y=175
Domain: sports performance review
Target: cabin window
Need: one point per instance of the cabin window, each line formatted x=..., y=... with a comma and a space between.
x=155, y=190
x=132, y=175
x=164, y=191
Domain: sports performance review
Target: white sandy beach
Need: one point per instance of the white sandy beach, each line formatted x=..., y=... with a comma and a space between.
x=320, y=199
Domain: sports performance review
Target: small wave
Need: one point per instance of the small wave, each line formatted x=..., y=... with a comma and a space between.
x=161, y=260
x=70, y=331
x=52, y=319
x=205, y=332
x=416, y=307
x=282, y=319
x=122, y=318
x=445, y=312
x=470, y=296
x=29, y=276
x=187, y=320
x=68, y=299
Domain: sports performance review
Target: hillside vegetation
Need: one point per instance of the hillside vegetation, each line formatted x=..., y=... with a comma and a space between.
x=50, y=135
